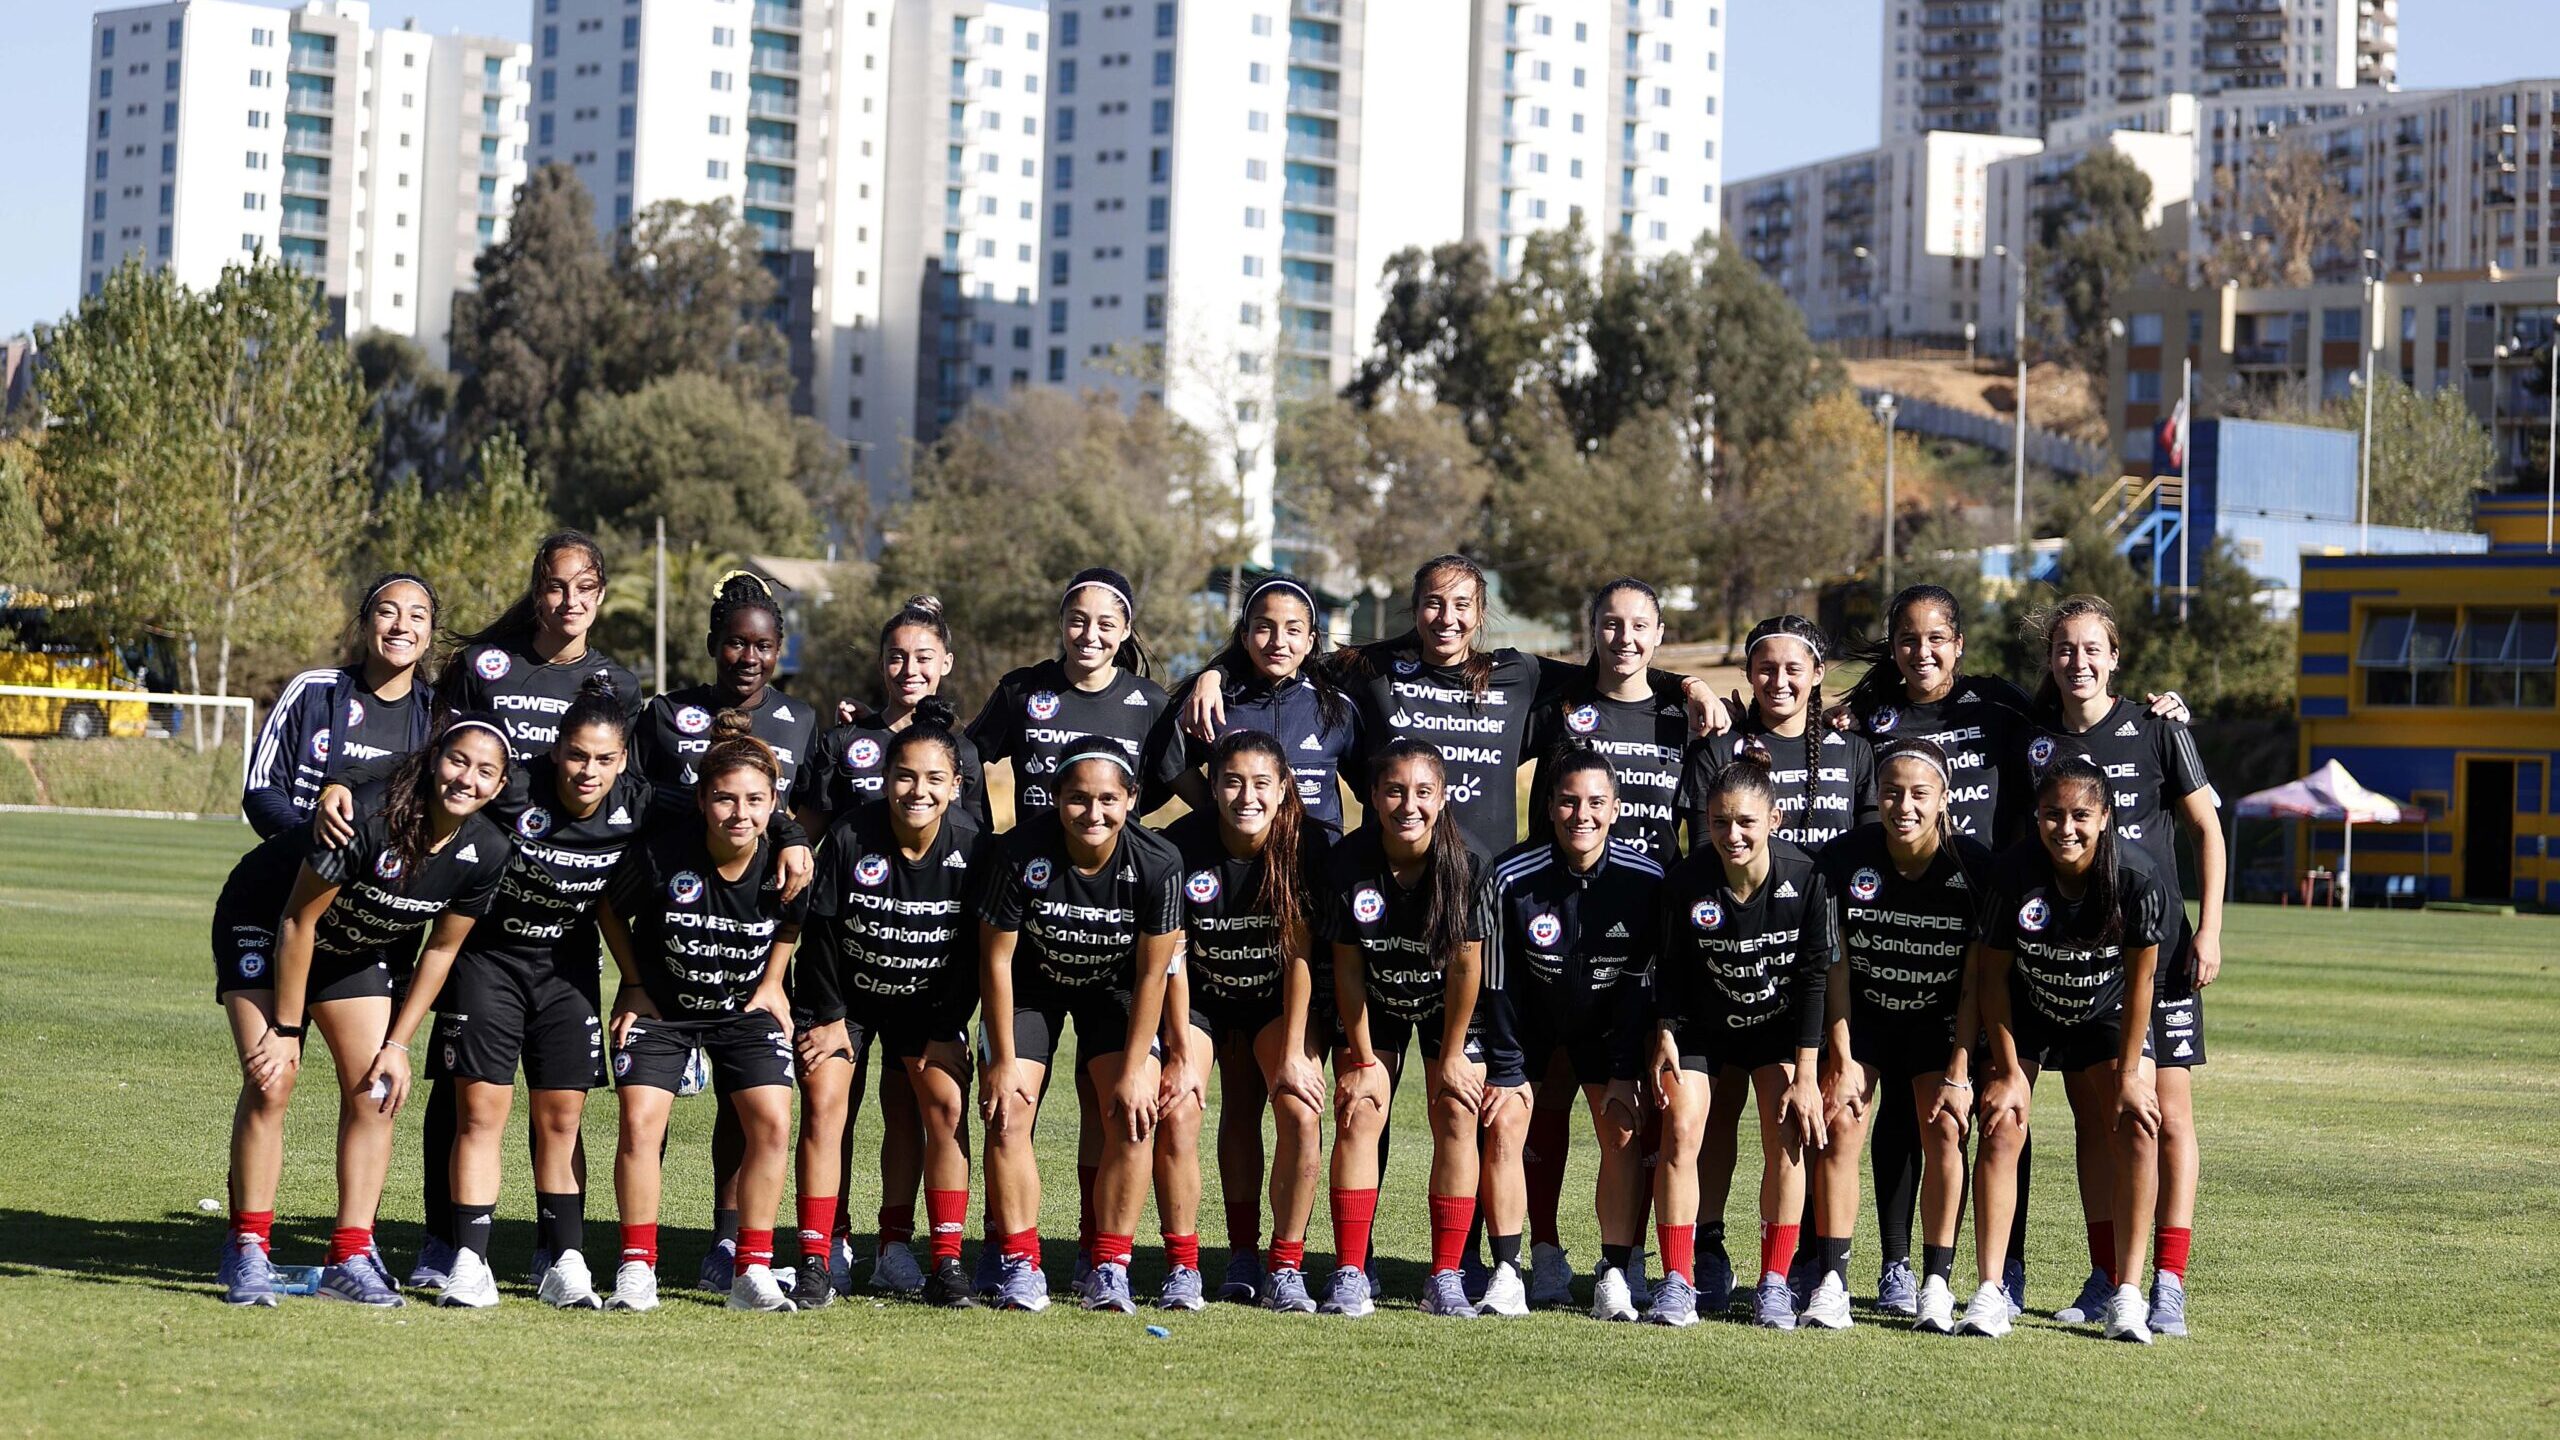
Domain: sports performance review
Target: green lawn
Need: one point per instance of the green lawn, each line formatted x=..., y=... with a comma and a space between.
x=2378, y=1252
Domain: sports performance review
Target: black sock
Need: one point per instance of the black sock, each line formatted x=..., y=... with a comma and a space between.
x=724, y=1226
x=1506, y=1250
x=1938, y=1260
x=435, y=1141
x=1618, y=1257
x=1832, y=1254
x=2018, y=1217
x=1475, y=1237
x=1894, y=1149
x=471, y=1227
x=1711, y=1237
x=560, y=1222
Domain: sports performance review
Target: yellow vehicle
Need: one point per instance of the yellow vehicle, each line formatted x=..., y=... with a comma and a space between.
x=38, y=651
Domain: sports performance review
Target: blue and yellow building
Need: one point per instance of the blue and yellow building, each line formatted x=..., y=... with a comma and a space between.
x=2431, y=678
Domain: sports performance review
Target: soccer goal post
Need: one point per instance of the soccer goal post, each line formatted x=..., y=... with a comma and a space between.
x=124, y=752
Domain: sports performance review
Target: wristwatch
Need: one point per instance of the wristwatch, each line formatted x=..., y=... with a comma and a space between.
x=290, y=1032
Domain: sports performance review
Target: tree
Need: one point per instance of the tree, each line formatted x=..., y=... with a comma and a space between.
x=469, y=538
x=409, y=403
x=1577, y=515
x=694, y=295
x=206, y=462
x=2430, y=454
x=26, y=552
x=1380, y=489
x=2272, y=229
x=530, y=338
x=2091, y=243
x=1814, y=515
x=718, y=466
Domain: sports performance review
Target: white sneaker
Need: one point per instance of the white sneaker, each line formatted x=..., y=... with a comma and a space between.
x=1504, y=1294
x=1988, y=1313
x=469, y=1285
x=1639, y=1289
x=2129, y=1316
x=569, y=1284
x=1550, y=1276
x=1828, y=1306
x=1609, y=1297
x=895, y=1270
x=635, y=1287
x=1937, y=1308
x=840, y=1265
x=757, y=1289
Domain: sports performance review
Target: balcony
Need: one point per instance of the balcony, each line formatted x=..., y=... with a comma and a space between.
x=1303, y=51
x=1313, y=244
x=774, y=15
x=1301, y=195
x=774, y=60
x=313, y=54
x=306, y=142
x=308, y=187
x=314, y=227
x=768, y=102
x=1312, y=147
x=2267, y=355
x=769, y=192
x=1315, y=100
x=1299, y=290
x=1316, y=9
x=1304, y=340
x=310, y=100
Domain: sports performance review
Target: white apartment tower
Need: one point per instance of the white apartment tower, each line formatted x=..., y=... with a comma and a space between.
x=2016, y=67
x=380, y=161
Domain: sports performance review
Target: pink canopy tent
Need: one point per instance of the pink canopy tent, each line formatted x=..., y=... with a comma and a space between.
x=2330, y=793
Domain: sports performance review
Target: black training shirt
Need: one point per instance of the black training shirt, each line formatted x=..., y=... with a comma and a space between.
x=526, y=695
x=1081, y=931
x=1905, y=938
x=886, y=928
x=1389, y=924
x=2055, y=960
x=700, y=943
x=1233, y=943
x=1731, y=964
x=1036, y=716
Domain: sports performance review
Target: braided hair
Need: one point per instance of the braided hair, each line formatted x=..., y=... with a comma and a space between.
x=1809, y=635
x=2077, y=769
x=741, y=590
x=1445, y=864
x=1884, y=683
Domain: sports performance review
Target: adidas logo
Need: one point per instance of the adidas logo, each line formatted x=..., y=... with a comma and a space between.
x=1786, y=889
x=2128, y=728
x=1968, y=698
x=1310, y=743
x=782, y=712
x=1956, y=882
x=955, y=861
x=1135, y=699
x=1617, y=931
x=621, y=815
x=1129, y=873
x=468, y=855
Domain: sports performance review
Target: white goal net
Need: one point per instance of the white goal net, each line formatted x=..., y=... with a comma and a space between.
x=123, y=752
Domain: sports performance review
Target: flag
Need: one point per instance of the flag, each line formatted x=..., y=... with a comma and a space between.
x=2173, y=436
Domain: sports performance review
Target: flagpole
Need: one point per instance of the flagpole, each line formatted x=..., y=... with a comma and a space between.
x=2186, y=468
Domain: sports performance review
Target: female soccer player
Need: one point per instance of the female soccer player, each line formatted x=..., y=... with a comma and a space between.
x=1739, y=982
x=375, y=706
x=698, y=927
x=1081, y=922
x=1267, y=684
x=1253, y=865
x=1570, y=923
x=1824, y=778
x=2155, y=774
x=2064, y=976
x=890, y=951
x=1407, y=943
x=422, y=856
x=1908, y=893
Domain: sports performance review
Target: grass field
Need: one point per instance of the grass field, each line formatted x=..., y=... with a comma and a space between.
x=2378, y=1250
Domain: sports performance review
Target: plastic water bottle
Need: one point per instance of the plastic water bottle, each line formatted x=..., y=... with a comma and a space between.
x=297, y=1279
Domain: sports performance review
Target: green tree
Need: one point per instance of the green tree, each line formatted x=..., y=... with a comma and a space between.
x=409, y=403
x=2431, y=455
x=1576, y=515
x=1381, y=488
x=26, y=551
x=2091, y=243
x=1814, y=512
x=694, y=294
x=469, y=538
x=718, y=466
x=531, y=337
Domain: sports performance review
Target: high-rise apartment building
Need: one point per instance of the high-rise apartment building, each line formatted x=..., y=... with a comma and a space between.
x=379, y=161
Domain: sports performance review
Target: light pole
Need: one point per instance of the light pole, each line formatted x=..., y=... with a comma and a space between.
x=2364, y=498
x=2018, y=446
x=1884, y=411
x=2551, y=436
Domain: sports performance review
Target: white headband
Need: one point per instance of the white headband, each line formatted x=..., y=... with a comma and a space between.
x=461, y=725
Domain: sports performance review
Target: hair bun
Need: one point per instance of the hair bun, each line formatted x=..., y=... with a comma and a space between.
x=929, y=604
x=1752, y=750
x=598, y=686
x=732, y=725
x=935, y=713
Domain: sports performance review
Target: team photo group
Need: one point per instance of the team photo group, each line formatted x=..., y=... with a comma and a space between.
x=1862, y=924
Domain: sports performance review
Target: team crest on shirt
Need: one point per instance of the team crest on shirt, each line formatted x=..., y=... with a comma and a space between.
x=1545, y=930
x=685, y=888
x=534, y=823
x=863, y=753
x=1707, y=915
x=320, y=745
x=693, y=719
x=490, y=664
x=1408, y=667
x=355, y=712
x=1582, y=719
x=870, y=870
x=2035, y=914
x=452, y=1056
x=2040, y=751
x=1035, y=873
x=388, y=865
x=252, y=965
x=1043, y=705
x=1865, y=884
x=1367, y=905
x=1202, y=887
x=1885, y=720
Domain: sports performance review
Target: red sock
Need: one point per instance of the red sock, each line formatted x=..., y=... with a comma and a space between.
x=1354, y=1211
x=1777, y=1248
x=1288, y=1254
x=1023, y=1245
x=897, y=1224
x=2174, y=1241
x=1114, y=1249
x=1084, y=1208
x=640, y=1242
x=1450, y=1217
x=1183, y=1250
x=1679, y=1250
x=262, y=1223
x=817, y=1225
x=755, y=1247
x=2102, y=1247
x=348, y=1242
x=947, y=1211
x=1542, y=1162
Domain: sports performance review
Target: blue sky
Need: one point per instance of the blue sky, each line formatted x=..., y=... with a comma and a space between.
x=1800, y=84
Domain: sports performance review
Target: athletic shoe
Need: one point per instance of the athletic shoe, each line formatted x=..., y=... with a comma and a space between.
x=1609, y=1297
x=812, y=1288
x=567, y=1284
x=1828, y=1306
x=1182, y=1290
x=1639, y=1290
x=988, y=1278
x=1674, y=1304
x=435, y=1264
x=2168, y=1305
x=360, y=1281
x=542, y=1262
x=948, y=1286
x=1288, y=1292
x=471, y=1286
x=1550, y=1276
x=1715, y=1282
x=2129, y=1316
x=1084, y=1267
x=1473, y=1276
x=635, y=1287
x=696, y=1077
x=1987, y=1314
x=719, y=1267
x=1773, y=1305
x=1350, y=1293
x=756, y=1288
x=2091, y=1307
x=1106, y=1287
x=840, y=1265
x=1897, y=1292
x=246, y=1275
x=2013, y=1283
x=1801, y=1278
x=1936, y=1308
x=895, y=1270
x=1445, y=1293
x=1504, y=1295
x=1024, y=1286
x=1245, y=1278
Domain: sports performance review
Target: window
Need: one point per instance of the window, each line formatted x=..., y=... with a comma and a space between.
x=1254, y=217
x=2142, y=387
x=1066, y=30
x=2146, y=330
x=719, y=124
x=1067, y=73
x=2509, y=657
x=715, y=170
x=1159, y=214
x=2339, y=324
x=1164, y=67
x=253, y=201
x=2407, y=657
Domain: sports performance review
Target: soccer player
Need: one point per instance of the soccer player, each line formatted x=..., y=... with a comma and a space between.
x=1739, y=982
x=375, y=706
x=1570, y=923
x=1824, y=778
x=1082, y=922
x=1268, y=684
x=321, y=936
x=699, y=929
x=2158, y=785
x=2063, y=978
x=1253, y=864
x=1908, y=891
x=1407, y=961
x=890, y=951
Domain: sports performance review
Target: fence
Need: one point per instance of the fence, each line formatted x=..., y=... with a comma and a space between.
x=2044, y=447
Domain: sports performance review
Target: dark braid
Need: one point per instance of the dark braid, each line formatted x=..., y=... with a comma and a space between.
x=1814, y=730
x=1884, y=683
x=741, y=590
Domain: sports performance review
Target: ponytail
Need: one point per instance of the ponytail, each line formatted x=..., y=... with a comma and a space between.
x=734, y=746
x=1445, y=864
x=598, y=703
x=514, y=629
x=1884, y=683
x=933, y=723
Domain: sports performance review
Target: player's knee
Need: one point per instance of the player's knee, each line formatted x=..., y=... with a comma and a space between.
x=1294, y=1119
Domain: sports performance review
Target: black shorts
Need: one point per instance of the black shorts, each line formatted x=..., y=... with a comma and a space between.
x=2050, y=1044
x=1709, y=1043
x=1222, y=1014
x=747, y=1052
x=904, y=1028
x=1042, y=1010
x=244, y=959
x=1541, y=1029
x=1388, y=1035
x=2177, y=1003
x=1899, y=1045
x=491, y=1016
